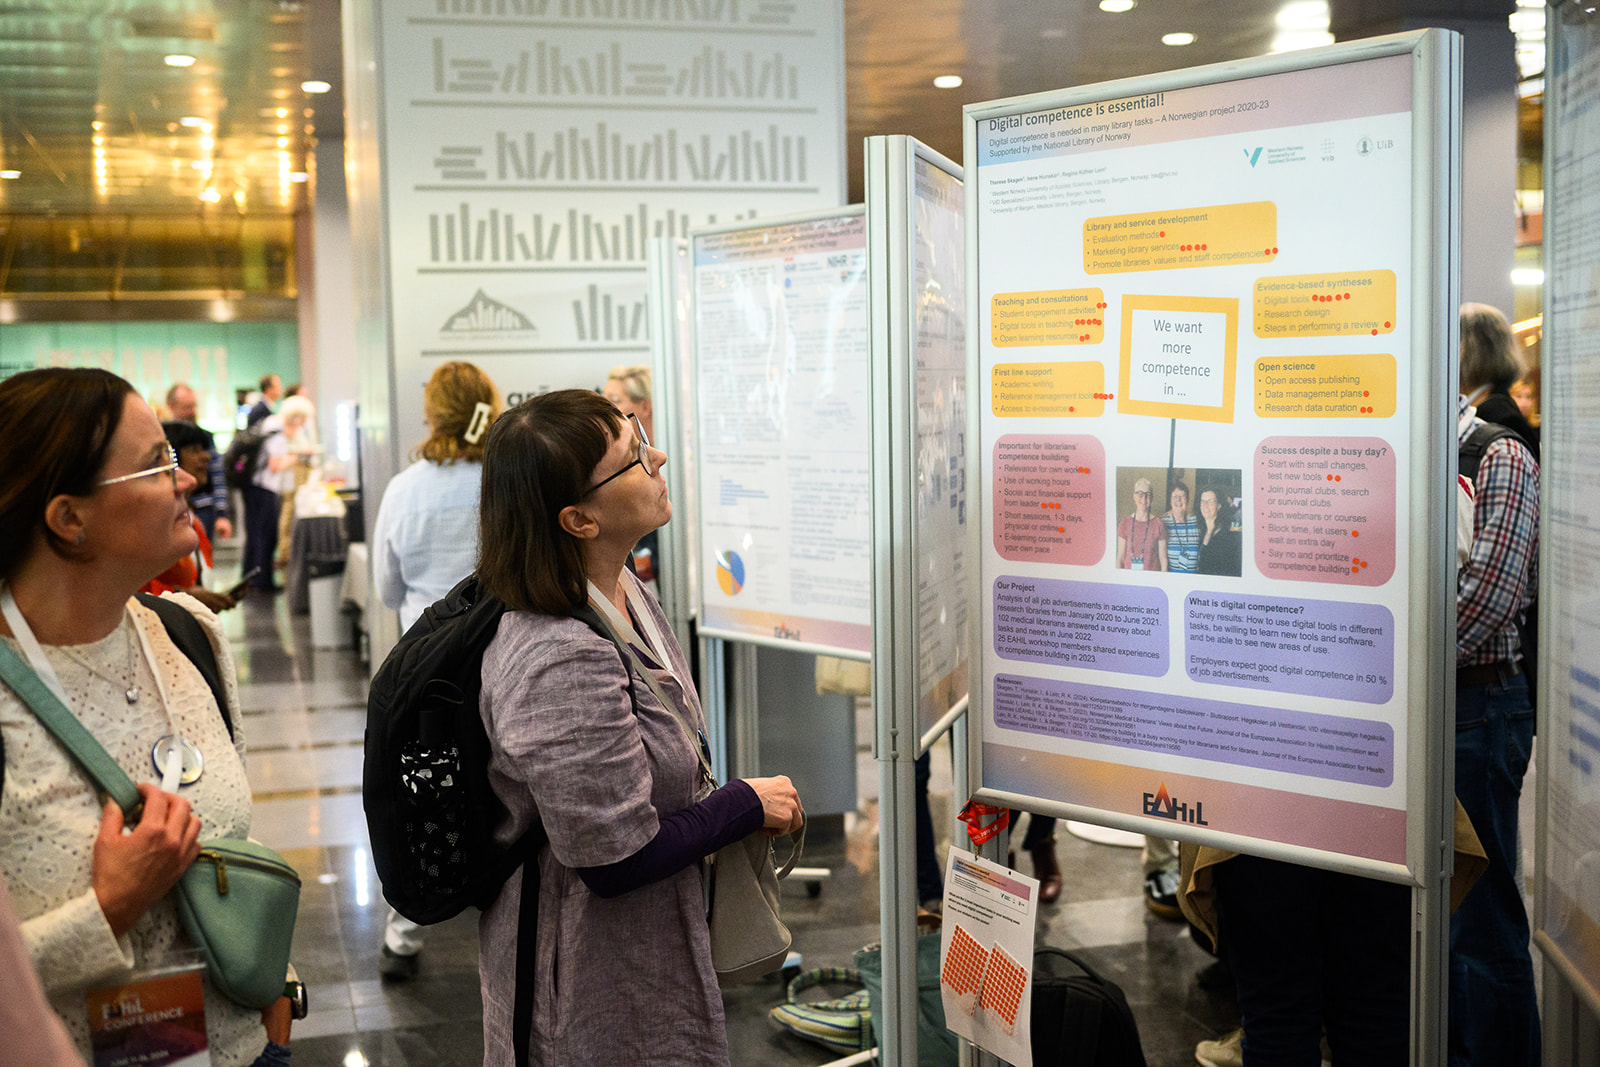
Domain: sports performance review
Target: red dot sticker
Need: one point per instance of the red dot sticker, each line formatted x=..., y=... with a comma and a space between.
x=1374, y=333
x=1366, y=392
x=1338, y=477
x=1386, y=326
x=1355, y=533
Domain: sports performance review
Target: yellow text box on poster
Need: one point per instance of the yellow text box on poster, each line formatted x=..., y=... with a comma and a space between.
x=1215, y=236
x=1326, y=387
x=1178, y=357
x=1325, y=305
x=1047, y=317
x=1048, y=390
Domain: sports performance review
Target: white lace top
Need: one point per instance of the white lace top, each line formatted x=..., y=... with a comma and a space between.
x=50, y=813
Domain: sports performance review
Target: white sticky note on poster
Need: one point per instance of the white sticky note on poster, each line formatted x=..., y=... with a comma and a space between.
x=986, y=955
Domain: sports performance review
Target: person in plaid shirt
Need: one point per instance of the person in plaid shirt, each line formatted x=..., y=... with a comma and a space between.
x=1494, y=1016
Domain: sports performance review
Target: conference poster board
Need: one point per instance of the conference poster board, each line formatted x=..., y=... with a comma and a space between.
x=916, y=244
x=783, y=432
x=1224, y=287
x=672, y=407
x=1567, y=925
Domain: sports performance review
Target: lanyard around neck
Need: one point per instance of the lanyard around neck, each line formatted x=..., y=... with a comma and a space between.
x=30, y=645
x=626, y=637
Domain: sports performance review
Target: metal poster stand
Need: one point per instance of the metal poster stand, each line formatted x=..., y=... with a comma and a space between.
x=1567, y=883
x=1407, y=82
x=920, y=637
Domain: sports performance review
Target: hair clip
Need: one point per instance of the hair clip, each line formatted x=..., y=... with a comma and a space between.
x=478, y=424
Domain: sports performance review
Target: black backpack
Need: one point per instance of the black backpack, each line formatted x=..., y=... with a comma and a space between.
x=1470, y=457
x=1080, y=1018
x=243, y=456
x=431, y=811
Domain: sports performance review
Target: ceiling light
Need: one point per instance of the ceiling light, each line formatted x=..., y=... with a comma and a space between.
x=1295, y=40
x=947, y=81
x=315, y=87
x=1177, y=40
x=10, y=175
x=192, y=121
x=210, y=195
x=1527, y=276
x=1302, y=15
x=179, y=60
x=1116, y=7
x=96, y=125
x=299, y=176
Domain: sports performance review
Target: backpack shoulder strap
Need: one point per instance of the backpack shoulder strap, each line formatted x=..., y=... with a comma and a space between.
x=1477, y=443
x=190, y=637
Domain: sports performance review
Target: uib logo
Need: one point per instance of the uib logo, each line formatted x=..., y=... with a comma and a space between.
x=1252, y=156
x=1161, y=805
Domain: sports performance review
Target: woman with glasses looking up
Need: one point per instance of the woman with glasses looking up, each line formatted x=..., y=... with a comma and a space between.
x=609, y=755
x=93, y=504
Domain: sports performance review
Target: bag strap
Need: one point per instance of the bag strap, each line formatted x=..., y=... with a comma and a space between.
x=190, y=637
x=607, y=614
x=1470, y=453
x=79, y=742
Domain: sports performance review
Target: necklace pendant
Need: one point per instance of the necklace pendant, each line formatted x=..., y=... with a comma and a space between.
x=132, y=694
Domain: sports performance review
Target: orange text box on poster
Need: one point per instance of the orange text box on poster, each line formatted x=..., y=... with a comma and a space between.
x=1047, y=317
x=1326, y=387
x=1178, y=357
x=1214, y=236
x=1325, y=305
x=1049, y=390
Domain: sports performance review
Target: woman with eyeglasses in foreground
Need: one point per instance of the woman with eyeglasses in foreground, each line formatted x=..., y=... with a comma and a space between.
x=623, y=971
x=93, y=505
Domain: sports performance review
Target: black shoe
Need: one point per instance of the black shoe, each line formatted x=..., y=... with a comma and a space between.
x=1161, y=893
x=393, y=967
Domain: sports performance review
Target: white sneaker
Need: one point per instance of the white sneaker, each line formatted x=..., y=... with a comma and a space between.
x=1225, y=1051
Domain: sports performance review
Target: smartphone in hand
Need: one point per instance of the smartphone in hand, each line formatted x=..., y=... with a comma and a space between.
x=235, y=592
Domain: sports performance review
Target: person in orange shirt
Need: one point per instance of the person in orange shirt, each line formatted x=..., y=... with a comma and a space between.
x=184, y=576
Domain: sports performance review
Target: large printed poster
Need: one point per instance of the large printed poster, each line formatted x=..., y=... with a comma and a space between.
x=1569, y=548
x=784, y=432
x=939, y=346
x=532, y=149
x=1195, y=380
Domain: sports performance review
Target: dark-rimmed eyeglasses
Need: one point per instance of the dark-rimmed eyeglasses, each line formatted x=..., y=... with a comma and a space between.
x=169, y=467
x=641, y=456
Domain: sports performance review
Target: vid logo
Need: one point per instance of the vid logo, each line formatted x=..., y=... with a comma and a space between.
x=1162, y=805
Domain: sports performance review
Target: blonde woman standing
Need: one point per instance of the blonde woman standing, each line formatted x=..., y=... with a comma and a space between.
x=425, y=540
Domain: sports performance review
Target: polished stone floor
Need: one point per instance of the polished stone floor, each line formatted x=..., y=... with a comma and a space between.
x=304, y=712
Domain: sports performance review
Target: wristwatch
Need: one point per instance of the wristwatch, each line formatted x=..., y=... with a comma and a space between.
x=299, y=1006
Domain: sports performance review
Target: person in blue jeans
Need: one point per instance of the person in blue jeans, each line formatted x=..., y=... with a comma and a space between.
x=1494, y=1013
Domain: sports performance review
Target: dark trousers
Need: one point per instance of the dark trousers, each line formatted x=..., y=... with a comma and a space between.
x=260, y=533
x=930, y=878
x=1494, y=1015
x=1310, y=948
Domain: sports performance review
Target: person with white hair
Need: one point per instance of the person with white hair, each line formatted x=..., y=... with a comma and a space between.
x=274, y=475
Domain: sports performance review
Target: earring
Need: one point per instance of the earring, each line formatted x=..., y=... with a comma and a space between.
x=79, y=539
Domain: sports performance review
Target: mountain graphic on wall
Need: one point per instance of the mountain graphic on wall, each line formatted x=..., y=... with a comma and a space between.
x=484, y=315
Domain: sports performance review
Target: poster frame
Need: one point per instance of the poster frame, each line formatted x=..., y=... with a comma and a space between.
x=1553, y=461
x=1434, y=329
x=670, y=365
x=773, y=222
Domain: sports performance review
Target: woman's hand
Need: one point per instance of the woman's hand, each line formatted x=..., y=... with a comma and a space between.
x=131, y=871
x=217, y=602
x=780, y=805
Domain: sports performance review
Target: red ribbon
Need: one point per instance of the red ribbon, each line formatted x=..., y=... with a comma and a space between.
x=980, y=831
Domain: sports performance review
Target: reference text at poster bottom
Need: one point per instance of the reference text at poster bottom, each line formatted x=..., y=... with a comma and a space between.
x=1332, y=747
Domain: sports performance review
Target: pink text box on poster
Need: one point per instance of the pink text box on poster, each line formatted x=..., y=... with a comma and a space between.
x=1049, y=498
x=1324, y=509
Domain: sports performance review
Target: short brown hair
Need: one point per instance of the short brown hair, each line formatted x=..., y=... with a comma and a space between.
x=450, y=398
x=1487, y=355
x=58, y=422
x=538, y=459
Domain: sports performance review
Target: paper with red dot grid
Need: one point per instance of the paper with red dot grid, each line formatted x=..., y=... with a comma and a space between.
x=1003, y=984
x=964, y=964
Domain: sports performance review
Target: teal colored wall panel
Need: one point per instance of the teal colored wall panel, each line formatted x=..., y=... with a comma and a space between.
x=214, y=358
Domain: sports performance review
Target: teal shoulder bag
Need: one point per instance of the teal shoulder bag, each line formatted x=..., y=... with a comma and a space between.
x=238, y=901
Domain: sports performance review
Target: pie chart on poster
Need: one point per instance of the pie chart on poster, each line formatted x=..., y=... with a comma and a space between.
x=730, y=572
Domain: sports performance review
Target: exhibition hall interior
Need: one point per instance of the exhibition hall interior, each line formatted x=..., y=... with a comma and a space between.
x=930, y=327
